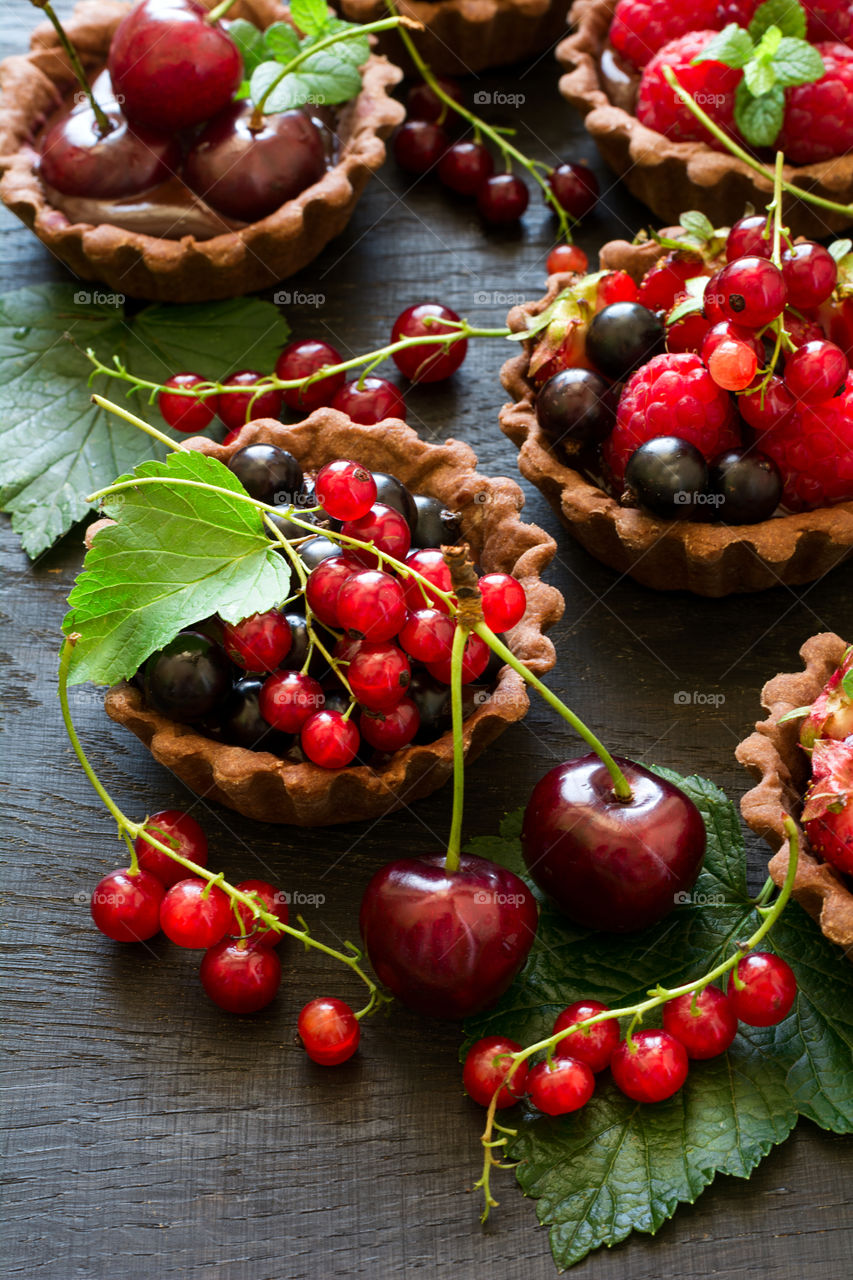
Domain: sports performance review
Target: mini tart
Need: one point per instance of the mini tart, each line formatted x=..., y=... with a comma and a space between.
x=185, y=270
x=462, y=36
x=776, y=760
x=260, y=785
x=670, y=176
x=668, y=555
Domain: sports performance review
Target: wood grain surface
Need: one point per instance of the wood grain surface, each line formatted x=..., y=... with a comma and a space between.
x=148, y=1136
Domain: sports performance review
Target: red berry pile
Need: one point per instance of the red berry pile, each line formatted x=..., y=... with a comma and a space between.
x=827, y=736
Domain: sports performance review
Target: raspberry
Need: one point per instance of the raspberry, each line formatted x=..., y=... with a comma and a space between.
x=641, y=27
x=818, y=120
x=710, y=84
x=673, y=395
x=813, y=449
x=828, y=20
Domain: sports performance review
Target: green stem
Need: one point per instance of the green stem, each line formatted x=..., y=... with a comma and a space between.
x=454, y=843
x=219, y=11
x=119, y=412
x=104, y=124
x=621, y=787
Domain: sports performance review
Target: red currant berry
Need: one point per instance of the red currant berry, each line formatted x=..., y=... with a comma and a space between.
x=465, y=166
x=762, y=989
x=504, y=601
x=370, y=400
x=649, y=1067
x=810, y=272
x=372, y=605
x=300, y=360
x=324, y=586
x=379, y=676
x=177, y=831
x=235, y=410
x=567, y=257
x=486, y=1065
x=666, y=282
x=575, y=188
x=592, y=1045
x=687, y=334
x=195, y=913
x=712, y=300
x=816, y=371
x=419, y=145
x=427, y=362
x=385, y=528
x=258, y=643
x=749, y=238
x=329, y=740
x=345, y=490
x=427, y=635
x=703, y=1021
x=392, y=730
x=615, y=286
x=502, y=199
x=430, y=564
x=752, y=292
x=801, y=329
x=475, y=659
x=272, y=900
x=563, y=1086
x=732, y=355
x=423, y=104
x=768, y=407
x=289, y=698
x=240, y=978
x=126, y=907
x=187, y=414
x=329, y=1030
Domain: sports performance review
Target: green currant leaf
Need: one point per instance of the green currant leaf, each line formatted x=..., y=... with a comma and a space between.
x=281, y=41
x=796, y=62
x=250, y=41
x=177, y=554
x=731, y=46
x=310, y=16
x=55, y=445
x=759, y=119
x=616, y=1166
x=787, y=15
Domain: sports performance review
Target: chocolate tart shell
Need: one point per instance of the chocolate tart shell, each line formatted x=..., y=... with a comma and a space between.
x=184, y=270
x=776, y=760
x=670, y=176
x=260, y=785
x=668, y=555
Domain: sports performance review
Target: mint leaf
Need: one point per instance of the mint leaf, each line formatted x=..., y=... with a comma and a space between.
x=759, y=77
x=759, y=119
x=732, y=46
x=769, y=43
x=840, y=248
x=787, y=15
x=176, y=555
x=617, y=1167
x=310, y=16
x=250, y=41
x=322, y=78
x=55, y=445
x=796, y=62
x=281, y=41
x=697, y=225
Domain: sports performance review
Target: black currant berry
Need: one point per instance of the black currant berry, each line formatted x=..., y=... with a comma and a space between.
x=312, y=552
x=267, y=473
x=669, y=477
x=748, y=486
x=242, y=724
x=622, y=337
x=393, y=493
x=436, y=526
x=573, y=407
x=188, y=678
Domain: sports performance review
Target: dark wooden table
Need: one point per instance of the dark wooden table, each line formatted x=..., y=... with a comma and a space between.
x=150, y=1136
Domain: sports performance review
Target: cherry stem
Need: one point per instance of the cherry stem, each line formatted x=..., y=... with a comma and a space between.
x=219, y=11
x=131, y=830
x=738, y=151
x=656, y=996
x=104, y=124
x=454, y=842
x=497, y=136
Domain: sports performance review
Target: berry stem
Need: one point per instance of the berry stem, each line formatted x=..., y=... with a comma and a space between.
x=219, y=11
x=103, y=122
x=454, y=842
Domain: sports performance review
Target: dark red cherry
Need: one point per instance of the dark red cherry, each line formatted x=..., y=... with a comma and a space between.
x=77, y=160
x=423, y=104
x=418, y=145
x=248, y=174
x=502, y=199
x=447, y=944
x=370, y=400
x=465, y=166
x=429, y=362
x=575, y=188
x=171, y=66
x=609, y=863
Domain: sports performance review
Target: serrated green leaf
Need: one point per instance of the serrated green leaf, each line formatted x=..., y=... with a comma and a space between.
x=697, y=224
x=797, y=62
x=731, y=46
x=769, y=43
x=177, y=554
x=787, y=15
x=281, y=41
x=321, y=79
x=759, y=77
x=310, y=16
x=759, y=119
x=250, y=41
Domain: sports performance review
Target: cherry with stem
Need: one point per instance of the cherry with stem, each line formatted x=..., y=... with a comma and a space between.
x=105, y=125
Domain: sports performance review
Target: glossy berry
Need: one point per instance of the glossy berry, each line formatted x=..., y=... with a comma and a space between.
x=379, y=675
x=371, y=604
x=427, y=634
x=732, y=354
x=748, y=485
x=78, y=160
x=575, y=188
x=669, y=477
x=475, y=659
x=239, y=977
x=567, y=257
x=750, y=238
x=423, y=104
x=465, y=166
x=177, y=831
x=486, y=1065
x=434, y=523
x=816, y=371
x=573, y=407
x=622, y=337
x=810, y=273
x=504, y=601
x=382, y=526
x=750, y=291
x=769, y=407
x=615, y=286
x=762, y=989
x=345, y=490
x=427, y=362
x=502, y=199
x=258, y=643
x=329, y=1030
x=393, y=729
x=370, y=400
x=302, y=359
x=324, y=586
x=329, y=739
x=666, y=282
x=703, y=1021
x=593, y=1045
x=127, y=907
x=267, y=473
x=288, y=699
x=687, y=334
x=650, y=1067
x=429, y=563
x=195, y=913
x=183, y=413
x=235, y=409
x=564, y=1086
x=391, y=492
x=272, y=900
x=188, y=677
x=419, y=145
